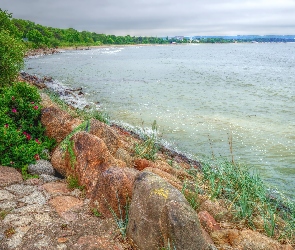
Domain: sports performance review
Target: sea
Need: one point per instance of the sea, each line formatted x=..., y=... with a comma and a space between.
x=208, y=100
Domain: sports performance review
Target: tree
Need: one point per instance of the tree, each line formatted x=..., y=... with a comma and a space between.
x=11, y=50
x=36, y=37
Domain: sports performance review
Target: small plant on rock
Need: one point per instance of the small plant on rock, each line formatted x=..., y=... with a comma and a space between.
x=73, y=183
x=148, y=148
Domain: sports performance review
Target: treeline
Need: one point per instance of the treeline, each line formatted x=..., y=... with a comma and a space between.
x=38, y=36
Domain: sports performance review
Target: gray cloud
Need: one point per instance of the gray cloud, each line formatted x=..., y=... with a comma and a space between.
x=161, y=17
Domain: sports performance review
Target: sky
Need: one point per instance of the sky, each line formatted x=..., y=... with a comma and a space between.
x=161, y=17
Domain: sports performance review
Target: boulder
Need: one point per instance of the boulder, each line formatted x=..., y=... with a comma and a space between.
x=159, y=212
x=113, y=191
x=106, y=133
x=41, y=167
x=167, y=177
x=208, y=222
x=9, y=175
x=89, y=157
x=217, y=210
x=123, y=155
x=246, y=239
x=58, y=123
x=179, y=173
x=140, y=164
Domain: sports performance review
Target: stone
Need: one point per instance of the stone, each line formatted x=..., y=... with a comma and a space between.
x=91, y=159
x=96, y=242
x=21, y=189
x=28, y=209
x=114, y=190
x=58, y=123
x=34, y=198
x=215, y=208
x=16, y=238
x=179, y=173
x=8, y=205
x=123, y=155
x=246, y=239
x=5, y=195
x=17, y=220
x=179, y=224
x=159, y=212
x=56, y=188
x=110, y=136
x=41, y=167
x=140, y=164
x=9, y=175
x=63, y=204
x=33, y=182
x=48, y=178
x=42, y=218
x=167, y=177
x=62, y=240
x=208, y=222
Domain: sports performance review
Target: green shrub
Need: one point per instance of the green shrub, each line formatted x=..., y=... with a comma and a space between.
x=22, y=139
x=11, y=58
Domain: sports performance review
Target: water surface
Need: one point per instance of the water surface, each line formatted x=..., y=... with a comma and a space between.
x=199, y=95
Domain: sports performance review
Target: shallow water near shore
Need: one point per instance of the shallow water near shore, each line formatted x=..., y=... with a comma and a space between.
x=200, y=95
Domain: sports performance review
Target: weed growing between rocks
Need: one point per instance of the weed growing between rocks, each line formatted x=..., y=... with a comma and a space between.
x=22, y=139
x=73, y=183
x=169, y=247
x=26, y=175
x=121, y=221
x=3, y=214
x=148, y=148
x=249, y=198
x=96, y=212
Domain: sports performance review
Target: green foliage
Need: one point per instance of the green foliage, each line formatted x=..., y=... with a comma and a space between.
x=249, y=196
x=11, y=50
x=11, y=58
x=7, y=25
x=3, y=214
x=73, y=183
x=148, y=148
x=22, y=139
x=96, y=212
x=26, y=175
x=191, y=197
x=121, y=221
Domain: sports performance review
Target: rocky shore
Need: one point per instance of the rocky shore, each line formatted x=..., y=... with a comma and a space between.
x=126, y=202
x=41, y=52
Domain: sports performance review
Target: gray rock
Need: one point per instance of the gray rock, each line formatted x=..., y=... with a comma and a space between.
x=8, y=205
x=48, y=178
x=34, y=198
x=41, y=167
x=20, y=189
x=5, y=195
x=160, y=215
x=17, y=220
x=1, y=236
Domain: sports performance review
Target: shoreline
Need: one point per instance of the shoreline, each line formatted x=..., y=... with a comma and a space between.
x=42, y=83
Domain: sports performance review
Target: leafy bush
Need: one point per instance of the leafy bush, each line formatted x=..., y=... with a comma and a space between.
x=22, y=139
x=11, y=50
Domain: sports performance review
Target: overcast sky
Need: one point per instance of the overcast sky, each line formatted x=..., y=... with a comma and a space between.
x=160, y=17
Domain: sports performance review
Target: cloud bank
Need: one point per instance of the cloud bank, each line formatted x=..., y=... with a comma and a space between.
x=161, y=17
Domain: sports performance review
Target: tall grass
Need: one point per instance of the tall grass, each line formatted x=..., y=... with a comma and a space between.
x=148, y=148
x=249, y=197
